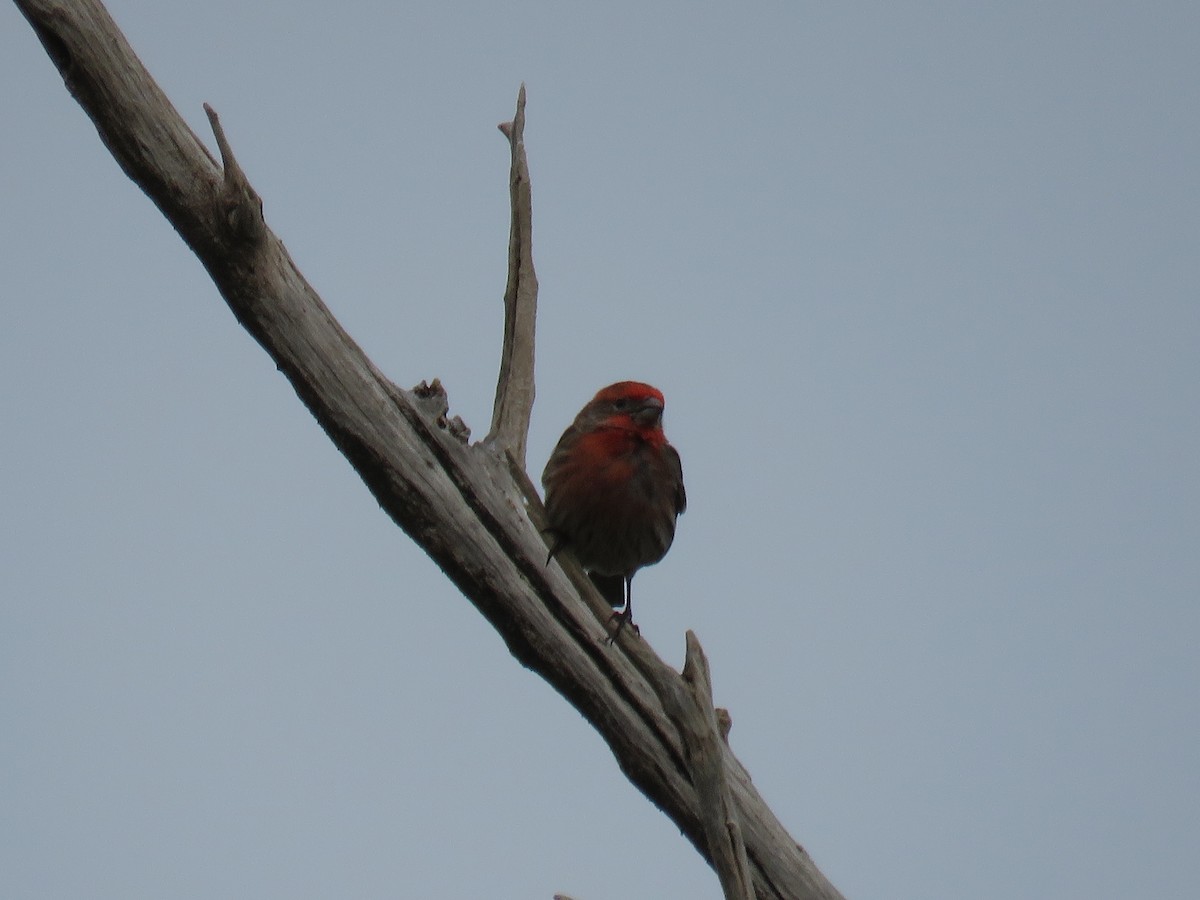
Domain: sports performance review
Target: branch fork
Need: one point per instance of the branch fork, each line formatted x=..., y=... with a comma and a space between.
x=240, y=208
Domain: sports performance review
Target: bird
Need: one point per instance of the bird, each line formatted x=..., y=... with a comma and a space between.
x=614, y=488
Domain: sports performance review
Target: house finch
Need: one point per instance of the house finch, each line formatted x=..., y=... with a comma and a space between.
x=614, y=487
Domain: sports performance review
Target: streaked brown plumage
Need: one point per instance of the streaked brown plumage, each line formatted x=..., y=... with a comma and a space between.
x=614, y=488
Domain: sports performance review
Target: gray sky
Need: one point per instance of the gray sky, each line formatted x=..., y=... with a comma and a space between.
x=919, y=282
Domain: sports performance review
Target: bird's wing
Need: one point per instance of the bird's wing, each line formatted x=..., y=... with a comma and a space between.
x=677, y=469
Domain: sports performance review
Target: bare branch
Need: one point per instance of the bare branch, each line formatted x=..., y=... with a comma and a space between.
x=704, y=745
x=514, y=390
x=468, y=507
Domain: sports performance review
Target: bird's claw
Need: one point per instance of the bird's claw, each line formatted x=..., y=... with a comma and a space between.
x=624, y=617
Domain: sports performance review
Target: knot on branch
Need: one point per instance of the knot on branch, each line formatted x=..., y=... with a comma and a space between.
x=433, y=401
x=239, y=210
x=724, y=723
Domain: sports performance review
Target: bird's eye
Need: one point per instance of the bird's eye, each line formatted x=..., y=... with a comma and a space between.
x=623, y=403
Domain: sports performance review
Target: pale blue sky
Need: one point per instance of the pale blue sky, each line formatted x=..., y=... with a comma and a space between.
x=919, y=282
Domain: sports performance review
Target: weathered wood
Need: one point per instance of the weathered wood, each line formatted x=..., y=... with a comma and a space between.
x=515, y=386
x=470, y=507
x=689, y=704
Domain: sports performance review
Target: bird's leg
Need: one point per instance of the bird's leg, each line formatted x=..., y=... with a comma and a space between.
x=626, y=614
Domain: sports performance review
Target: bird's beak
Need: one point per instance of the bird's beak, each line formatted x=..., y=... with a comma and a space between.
x=649, y=413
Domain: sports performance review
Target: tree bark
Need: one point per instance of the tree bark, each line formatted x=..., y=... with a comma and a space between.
x=471, y=507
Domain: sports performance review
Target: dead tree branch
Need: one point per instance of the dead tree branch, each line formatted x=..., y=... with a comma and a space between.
x=514, y=389
x=689, y=704
x=470, y=508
